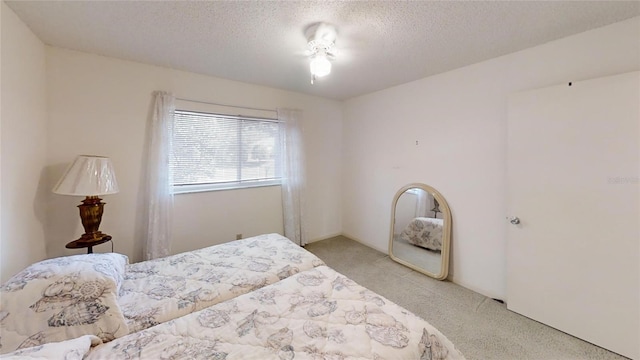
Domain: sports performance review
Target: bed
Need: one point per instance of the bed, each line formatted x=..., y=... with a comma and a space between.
x=315, y=314
x=424, y=232
x=72, y=307
x=163, y=289
x=103, y=295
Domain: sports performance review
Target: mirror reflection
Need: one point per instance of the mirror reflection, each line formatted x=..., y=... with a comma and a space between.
x=420, y=230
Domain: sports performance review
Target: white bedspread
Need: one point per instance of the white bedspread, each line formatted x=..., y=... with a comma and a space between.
x=316, y=314
x=424, y=232
x=159, y=290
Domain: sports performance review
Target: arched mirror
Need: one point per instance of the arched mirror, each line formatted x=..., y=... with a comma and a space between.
x=421, y=230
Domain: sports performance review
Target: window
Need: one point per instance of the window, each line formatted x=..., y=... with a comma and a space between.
x=214, y=152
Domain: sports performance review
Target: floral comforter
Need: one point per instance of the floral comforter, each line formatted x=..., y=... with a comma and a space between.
x=315, y=314
x=159, y=290
x=424, y=232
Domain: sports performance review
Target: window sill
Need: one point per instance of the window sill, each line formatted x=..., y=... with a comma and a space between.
x=189, y=189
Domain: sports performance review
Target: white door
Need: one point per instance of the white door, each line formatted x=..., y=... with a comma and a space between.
x=573, y=177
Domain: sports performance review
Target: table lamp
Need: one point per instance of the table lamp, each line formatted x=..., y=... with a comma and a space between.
x=89, y=176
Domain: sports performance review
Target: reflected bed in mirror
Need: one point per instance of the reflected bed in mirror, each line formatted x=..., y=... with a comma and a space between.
x=421, y=230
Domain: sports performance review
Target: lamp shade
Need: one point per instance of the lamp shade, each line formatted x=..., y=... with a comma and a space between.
x=89, y=175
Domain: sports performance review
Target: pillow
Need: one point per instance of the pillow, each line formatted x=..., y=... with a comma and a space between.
x=64, y=350
x=63, y=298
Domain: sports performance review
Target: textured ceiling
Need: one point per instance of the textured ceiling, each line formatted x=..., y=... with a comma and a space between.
x=380, y=43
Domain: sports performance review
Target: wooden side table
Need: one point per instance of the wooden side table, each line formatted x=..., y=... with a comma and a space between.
x=78, y=244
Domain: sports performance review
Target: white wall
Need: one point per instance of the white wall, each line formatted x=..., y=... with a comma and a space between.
x=459, y=119
x=248, y=212
x=23, y=145
x=100, y=105
x=8, y=271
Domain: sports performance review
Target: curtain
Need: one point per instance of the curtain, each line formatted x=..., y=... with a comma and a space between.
x=293, y=180
x=422, y=203
x=158, y=193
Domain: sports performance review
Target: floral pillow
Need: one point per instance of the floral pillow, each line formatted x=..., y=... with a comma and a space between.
x=75, y=349
x=63, y=298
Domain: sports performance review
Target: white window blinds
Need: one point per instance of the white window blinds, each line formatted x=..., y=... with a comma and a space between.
x=222, y=151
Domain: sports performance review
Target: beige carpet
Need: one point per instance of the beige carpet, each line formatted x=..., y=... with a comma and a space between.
x=426, y=259
x=480, y=327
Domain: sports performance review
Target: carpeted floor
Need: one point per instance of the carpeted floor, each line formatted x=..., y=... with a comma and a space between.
x=480, y=327
x=426, y=259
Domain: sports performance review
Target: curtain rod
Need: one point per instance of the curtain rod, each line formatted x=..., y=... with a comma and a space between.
x=233, y=106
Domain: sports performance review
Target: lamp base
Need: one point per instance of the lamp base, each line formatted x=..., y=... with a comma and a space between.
x=91, y=215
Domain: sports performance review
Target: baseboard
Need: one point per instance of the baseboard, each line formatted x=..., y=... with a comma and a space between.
x=354, y=238
x=324, y=237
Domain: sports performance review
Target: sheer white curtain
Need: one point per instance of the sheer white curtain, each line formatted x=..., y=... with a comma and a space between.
x=158, y=192
x=293, y=180
x=422, y=203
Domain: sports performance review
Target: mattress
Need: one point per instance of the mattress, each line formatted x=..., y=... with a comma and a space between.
x=315, y=314
x=424, y=232
x=159, y=290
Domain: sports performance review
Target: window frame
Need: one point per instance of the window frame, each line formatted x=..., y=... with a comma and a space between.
x=231, y=185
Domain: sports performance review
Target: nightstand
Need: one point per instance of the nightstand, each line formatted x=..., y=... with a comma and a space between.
x=78, y=244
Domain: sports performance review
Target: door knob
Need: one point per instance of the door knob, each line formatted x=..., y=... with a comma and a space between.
x=514, y=220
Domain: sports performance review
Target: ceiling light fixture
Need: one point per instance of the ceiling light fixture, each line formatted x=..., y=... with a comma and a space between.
x=320, y=49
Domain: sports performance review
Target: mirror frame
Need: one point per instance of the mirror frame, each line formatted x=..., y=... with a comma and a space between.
x=446, y=231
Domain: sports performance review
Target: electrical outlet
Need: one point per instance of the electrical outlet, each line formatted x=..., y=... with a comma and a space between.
x=238, y=236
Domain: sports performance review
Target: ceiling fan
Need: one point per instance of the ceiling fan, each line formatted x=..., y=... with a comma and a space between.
x=321, y=48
